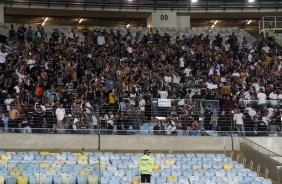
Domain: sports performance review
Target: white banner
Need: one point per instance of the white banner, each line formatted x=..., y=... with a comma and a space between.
x=164, y=103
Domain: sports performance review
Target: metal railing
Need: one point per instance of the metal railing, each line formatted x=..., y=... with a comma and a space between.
x=262, y=149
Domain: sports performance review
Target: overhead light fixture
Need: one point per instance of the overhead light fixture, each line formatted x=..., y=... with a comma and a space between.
x=127, y=26
x=251, y=1
x=194, y=1
x=212, y=26
x=80, y=20
x=215, y=22
x=45, y=20
x=249, y=22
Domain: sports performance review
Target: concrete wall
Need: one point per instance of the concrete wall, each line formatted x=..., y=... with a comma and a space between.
x=112, y=142
x=183, y=21
x=271, y=143
x=48, y=142
x=166, y=143
x=129, y=142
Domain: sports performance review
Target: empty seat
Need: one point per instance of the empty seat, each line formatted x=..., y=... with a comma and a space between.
x=2, y=180
x=11, y=180
x=82, y=179
x=66, y=178
x=82, y=157
x=40, y=178
x=171, y=178
x=22, y=179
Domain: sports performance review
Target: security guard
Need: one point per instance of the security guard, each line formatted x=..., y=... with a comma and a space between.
x=146, y=167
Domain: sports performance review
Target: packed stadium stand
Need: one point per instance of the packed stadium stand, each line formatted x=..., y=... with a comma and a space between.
x=116, y=89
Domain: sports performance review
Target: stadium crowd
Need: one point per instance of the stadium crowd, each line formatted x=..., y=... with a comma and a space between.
x=65, y=81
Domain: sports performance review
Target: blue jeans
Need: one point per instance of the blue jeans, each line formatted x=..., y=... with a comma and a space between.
x=240, y=129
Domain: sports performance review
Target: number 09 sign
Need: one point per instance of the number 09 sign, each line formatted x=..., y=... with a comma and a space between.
x=164, y=17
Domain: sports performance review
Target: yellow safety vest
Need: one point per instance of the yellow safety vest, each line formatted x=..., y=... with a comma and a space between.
x=145, y=165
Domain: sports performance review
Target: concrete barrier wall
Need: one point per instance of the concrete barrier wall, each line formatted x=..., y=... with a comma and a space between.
x=116, y=142
x=48, y=142
x=166, y=143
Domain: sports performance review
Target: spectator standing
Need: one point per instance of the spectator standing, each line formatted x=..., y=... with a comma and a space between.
x=60, y=115
x=25, y=125
x=261, y=97
x=14, y=115
x=109, y=120
x=38, y=120
x=239, y=122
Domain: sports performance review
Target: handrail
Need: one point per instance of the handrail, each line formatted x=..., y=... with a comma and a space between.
x=251, y=165
x=258, y=169
x=244, y=161
x=266, y=172
x=262, y=147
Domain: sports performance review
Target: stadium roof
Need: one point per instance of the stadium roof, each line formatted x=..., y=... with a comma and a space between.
x=154, y=4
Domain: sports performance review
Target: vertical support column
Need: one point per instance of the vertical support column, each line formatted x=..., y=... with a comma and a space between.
x=162, y=18
x=183, y=21
x=1, y=14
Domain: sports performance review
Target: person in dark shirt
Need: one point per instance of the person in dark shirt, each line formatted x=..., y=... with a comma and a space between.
x=12, y=33
x=249, y=124
x=38, y=120
x=207, y=120
x=159, y=128
x=224, y=122
x=50, y=118
x=55, y=35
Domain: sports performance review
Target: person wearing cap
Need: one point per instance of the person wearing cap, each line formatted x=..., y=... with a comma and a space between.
x=145, y=165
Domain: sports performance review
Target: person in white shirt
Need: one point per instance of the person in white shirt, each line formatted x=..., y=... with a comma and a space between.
x=163, y=94
x=261, y=97
x=256, y=86
x=31, y=63
x=168, y=78
x=60, y=115
x=273, y=96
x=95, y=118
x=239, y=122
x=129, y=49
x=176, y=78
x=109, y=120
x=266, y=48
x=8, y=102
x=187, y=71
x=142, y=104
x=3, y=55
x=181, y=63
x=75, y=123
x=101, y=39
x=251, y=111
x=171, y=128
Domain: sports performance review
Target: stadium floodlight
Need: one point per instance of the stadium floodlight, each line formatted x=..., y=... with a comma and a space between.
x=80, y=20
x=194, y=1
x=251, y=1
x=45, y=20
x=249, y=22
